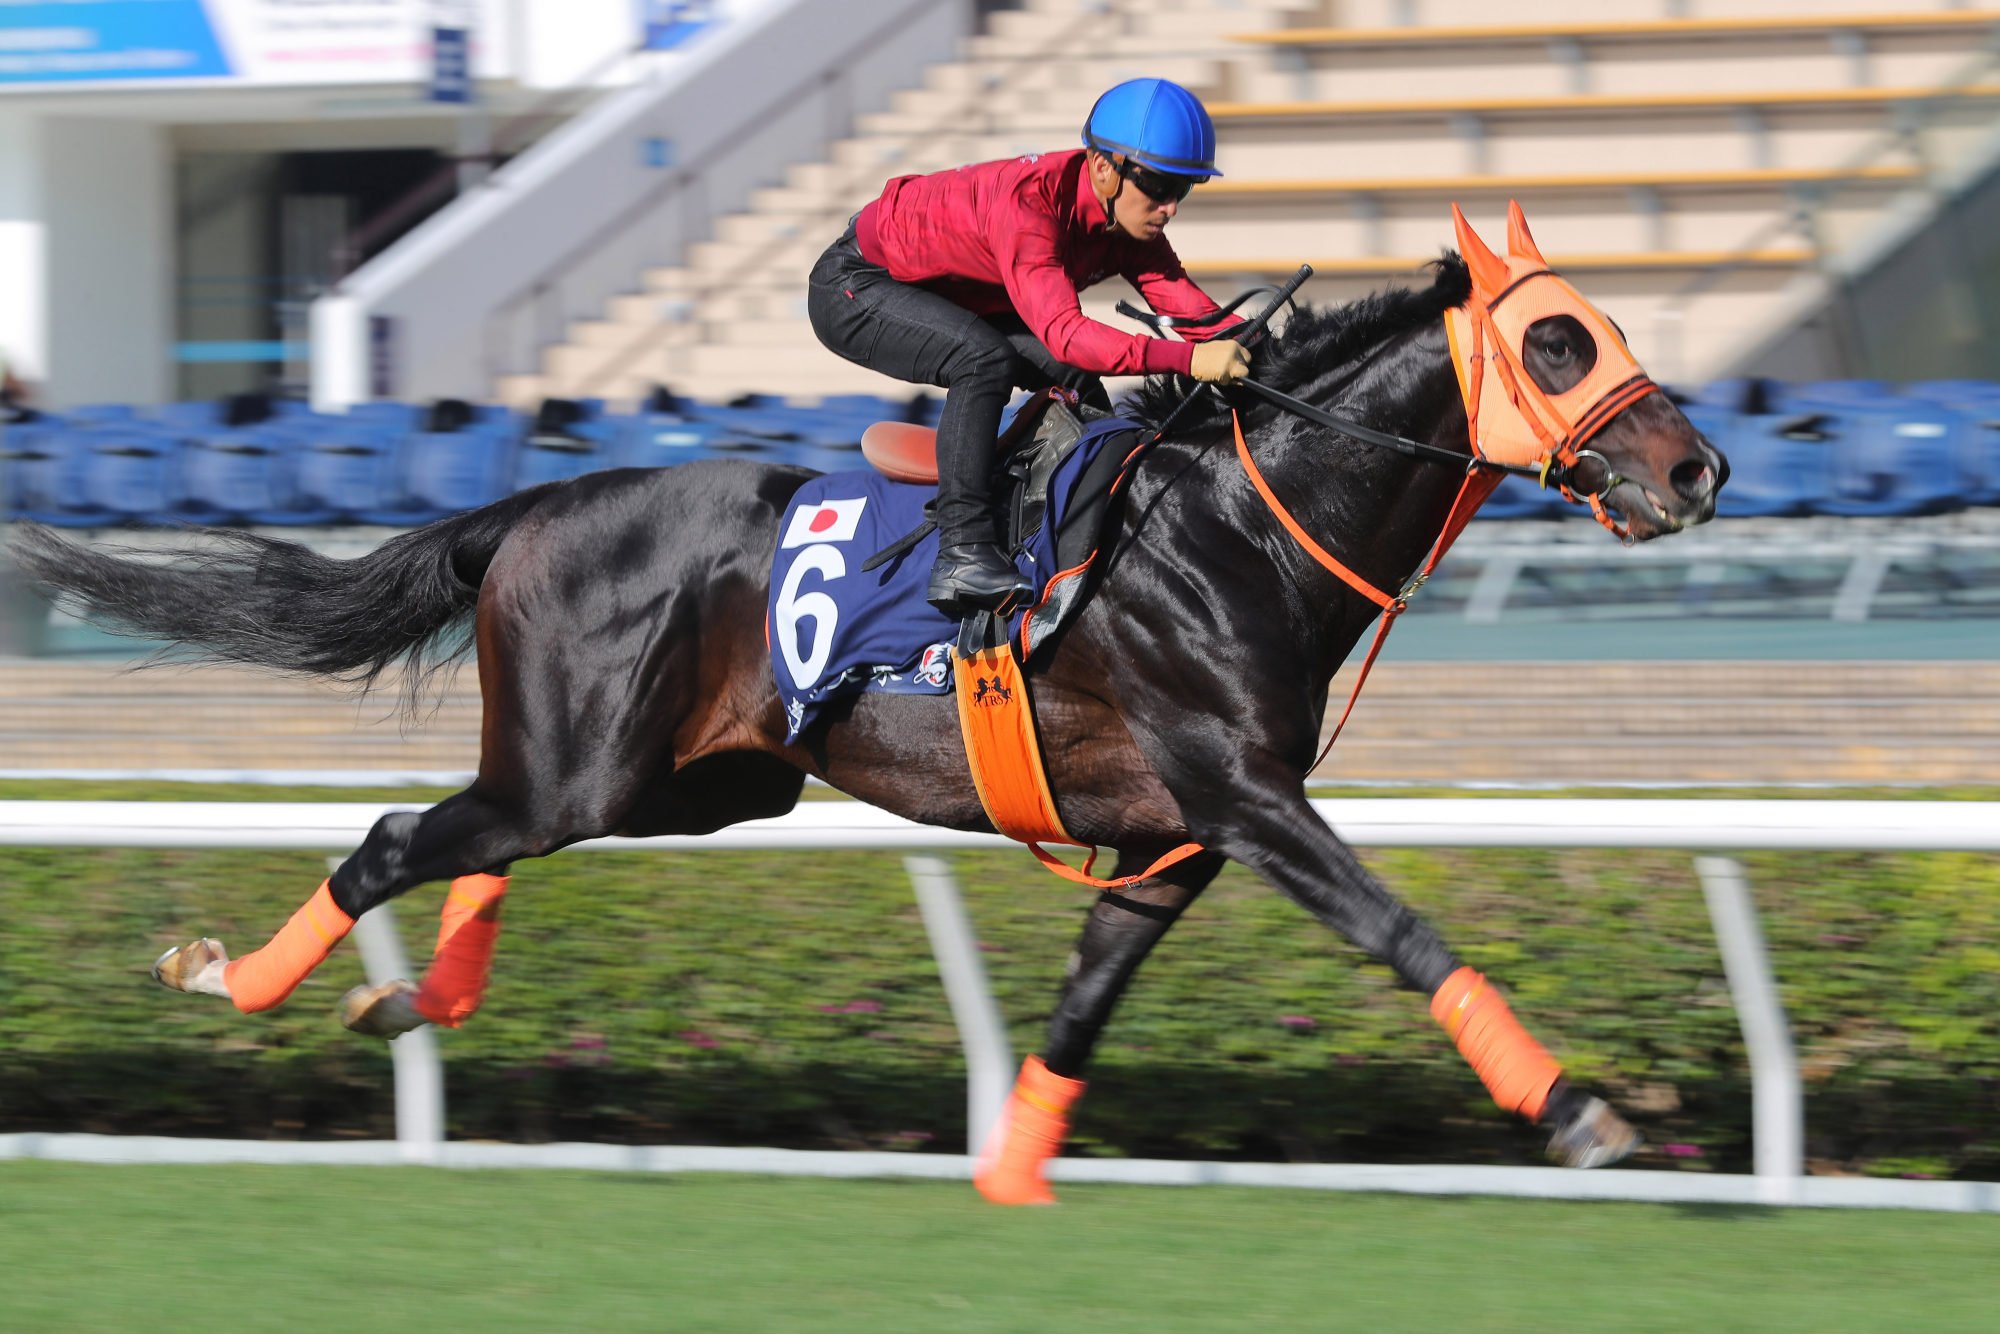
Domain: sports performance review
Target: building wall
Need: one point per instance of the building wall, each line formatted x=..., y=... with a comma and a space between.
x=86, y=223
x=108, y=214
x=23, y=282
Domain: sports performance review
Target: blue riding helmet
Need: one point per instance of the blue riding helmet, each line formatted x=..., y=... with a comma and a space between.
x=1157, y=124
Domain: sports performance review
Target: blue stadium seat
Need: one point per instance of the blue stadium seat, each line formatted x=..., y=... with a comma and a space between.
x=765, y=429
x=546, y=458
x=1836, y=393
x=198, y=415
x=42, y=469
x=567, y=438
x=1965, y=395
x=871, y=406
x=1779, y=464
x=448, y=471
x=823, y=428
x=1741, y=394
x=225, y=472
x=250, y=474
x=351, y=465
x=1713, y=422
x=1892, y=456
x=102, y=414
x=1976, y=450
x=385, y=413
x=1976, y=457
x=133, y=470
x=657, y=439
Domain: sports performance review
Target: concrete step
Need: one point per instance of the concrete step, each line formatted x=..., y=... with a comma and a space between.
x=1025, y=83
x=1472, y=13
x=1604, y=225
x=1743, y=63
x=1694, y=140
x=676, y=368
x=1137, y=31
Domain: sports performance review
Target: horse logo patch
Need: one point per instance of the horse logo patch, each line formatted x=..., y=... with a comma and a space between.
x=991, y=693
x=935, y=668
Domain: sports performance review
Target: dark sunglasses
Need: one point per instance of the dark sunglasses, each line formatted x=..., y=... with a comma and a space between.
x=1157, y=185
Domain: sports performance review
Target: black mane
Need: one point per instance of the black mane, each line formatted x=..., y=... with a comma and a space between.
x=1315, y=340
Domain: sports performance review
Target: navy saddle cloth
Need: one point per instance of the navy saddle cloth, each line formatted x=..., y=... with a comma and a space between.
x=836, y=630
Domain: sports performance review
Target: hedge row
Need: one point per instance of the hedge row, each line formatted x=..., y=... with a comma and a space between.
x=776, y=999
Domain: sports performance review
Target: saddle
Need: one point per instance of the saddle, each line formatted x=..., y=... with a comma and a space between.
x=1045, y=433
x=1057, y=455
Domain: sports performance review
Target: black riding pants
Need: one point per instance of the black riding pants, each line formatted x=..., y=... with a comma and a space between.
x=904, y=331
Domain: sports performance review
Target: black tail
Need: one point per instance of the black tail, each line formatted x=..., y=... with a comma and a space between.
x=259, y=600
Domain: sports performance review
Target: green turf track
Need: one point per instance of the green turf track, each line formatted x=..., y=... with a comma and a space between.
x=308, y=1248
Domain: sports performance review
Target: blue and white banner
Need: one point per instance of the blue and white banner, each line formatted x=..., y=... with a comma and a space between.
x=109, y=39
x=241, y=41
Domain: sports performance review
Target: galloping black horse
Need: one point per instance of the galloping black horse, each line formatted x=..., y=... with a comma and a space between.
x=627, y=688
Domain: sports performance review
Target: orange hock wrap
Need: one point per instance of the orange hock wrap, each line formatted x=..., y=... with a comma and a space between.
x=468, y=928
x=1513, y=1066
x=1030, y=1132
x=263, y=978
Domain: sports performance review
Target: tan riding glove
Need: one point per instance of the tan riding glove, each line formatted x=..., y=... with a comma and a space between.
x=1220, y=361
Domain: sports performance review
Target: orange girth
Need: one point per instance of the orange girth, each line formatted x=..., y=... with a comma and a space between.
x=996, y=716
x=1508, y=416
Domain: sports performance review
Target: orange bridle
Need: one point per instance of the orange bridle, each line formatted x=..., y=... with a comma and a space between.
x=1509, y=417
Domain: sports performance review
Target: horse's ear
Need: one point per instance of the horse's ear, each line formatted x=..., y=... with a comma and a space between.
x=1520, y=242
x=1489, y=271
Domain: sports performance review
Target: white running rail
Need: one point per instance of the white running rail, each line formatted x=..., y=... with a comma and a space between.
x=1712, y=827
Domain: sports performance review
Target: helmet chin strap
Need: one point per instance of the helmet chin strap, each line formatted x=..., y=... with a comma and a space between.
x=1110, y=204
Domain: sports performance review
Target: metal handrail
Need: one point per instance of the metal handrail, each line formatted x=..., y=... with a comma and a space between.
x=688, y=177
x=509, y=138
x=1903, y=138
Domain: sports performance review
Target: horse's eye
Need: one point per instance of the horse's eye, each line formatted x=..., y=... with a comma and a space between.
x=1559, y=349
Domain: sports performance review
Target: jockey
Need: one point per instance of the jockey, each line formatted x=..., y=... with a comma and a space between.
x=968, y=280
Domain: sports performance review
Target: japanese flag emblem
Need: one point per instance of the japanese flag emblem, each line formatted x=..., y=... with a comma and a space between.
x=828, y=521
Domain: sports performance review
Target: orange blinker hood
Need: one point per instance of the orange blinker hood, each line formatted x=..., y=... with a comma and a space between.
x=1510, y=419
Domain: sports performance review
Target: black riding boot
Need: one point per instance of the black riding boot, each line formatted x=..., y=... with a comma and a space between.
x=971, y=573
x=973, y=576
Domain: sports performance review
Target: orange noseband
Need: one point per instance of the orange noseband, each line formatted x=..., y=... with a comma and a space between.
x=1510, y=418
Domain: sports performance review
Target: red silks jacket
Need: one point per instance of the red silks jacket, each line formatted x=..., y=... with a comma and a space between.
x=1027, y=234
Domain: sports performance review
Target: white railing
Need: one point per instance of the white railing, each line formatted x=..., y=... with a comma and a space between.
x=1711, y=826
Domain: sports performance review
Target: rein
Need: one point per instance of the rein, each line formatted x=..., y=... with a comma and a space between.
x=1417, y=449
x=1560, y=458
x=1556, y=430
x=1472, y=492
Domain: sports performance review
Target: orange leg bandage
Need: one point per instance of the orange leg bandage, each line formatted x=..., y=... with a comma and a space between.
x=1515, y=1068
x=1030, y=1132
x=468, y=928
x=263, y=978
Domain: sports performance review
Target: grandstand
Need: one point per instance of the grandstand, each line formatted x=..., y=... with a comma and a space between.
x=1701, y=169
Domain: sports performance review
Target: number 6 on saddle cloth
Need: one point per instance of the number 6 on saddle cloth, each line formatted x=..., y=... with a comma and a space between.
x=847, y=610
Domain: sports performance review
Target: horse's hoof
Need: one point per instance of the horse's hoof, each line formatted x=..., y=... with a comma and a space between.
x=1594, y=1137
x=387, y=1011
x=195, y=968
